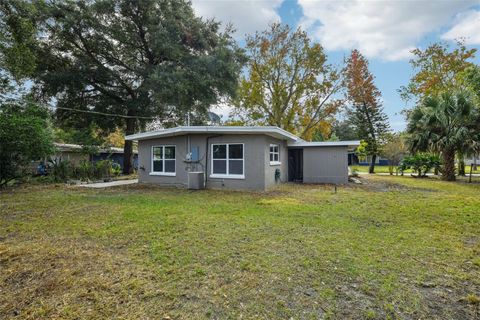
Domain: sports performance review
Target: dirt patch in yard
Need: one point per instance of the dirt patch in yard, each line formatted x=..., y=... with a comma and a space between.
x=63, y=278
x=386, y=186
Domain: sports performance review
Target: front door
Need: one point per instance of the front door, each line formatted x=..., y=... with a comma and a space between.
x=295, y=165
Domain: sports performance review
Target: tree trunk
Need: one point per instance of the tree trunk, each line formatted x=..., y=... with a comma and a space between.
x=461, y=164
x=474, y=163
x=470, y=175
x=448, y=157
x=461, y=167
x=128, y=148
x=371, y=169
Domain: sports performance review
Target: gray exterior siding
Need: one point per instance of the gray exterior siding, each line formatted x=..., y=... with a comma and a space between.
x=283, y=166
x=325, y=165
x=259, y=175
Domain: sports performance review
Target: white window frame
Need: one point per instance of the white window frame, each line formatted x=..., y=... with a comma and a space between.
x=227, y=176
x=274, y=163
x=163, y=173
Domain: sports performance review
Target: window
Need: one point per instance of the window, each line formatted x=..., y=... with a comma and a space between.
x=163, y=160
x=227, y=161
x=274, y=154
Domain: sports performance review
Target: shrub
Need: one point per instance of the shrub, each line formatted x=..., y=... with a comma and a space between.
x=25, y=135
x=420, y=163
x=116, y=169
x=60, y=170
x=103, y=169
x=85, y=170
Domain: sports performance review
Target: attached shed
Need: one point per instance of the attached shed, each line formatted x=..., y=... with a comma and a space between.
x=320, y=162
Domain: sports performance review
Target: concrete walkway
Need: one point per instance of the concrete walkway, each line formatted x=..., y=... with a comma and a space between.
x=109, y=184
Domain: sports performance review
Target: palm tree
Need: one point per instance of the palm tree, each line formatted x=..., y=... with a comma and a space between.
x=442, y=124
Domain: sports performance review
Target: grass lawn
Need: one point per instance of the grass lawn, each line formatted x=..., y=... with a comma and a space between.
x=392, y=248
x=384, y=169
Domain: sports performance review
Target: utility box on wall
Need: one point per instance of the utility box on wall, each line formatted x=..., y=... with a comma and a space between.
x=195, y=153
x=196, y=180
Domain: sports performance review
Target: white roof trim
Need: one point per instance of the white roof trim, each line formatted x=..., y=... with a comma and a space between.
x=350, y=144
x=68, y=147
x=268, y=130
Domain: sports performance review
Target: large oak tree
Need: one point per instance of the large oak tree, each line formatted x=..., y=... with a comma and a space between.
x=137, y=59
x=289, y=83
x=437, y=69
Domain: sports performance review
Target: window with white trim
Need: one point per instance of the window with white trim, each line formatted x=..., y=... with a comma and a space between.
x=274, y=154
x=227, y=160
x=163, y=160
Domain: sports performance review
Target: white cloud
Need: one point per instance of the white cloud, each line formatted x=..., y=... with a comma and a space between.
x=247, y=16
x=467, y=26
x=379, y=29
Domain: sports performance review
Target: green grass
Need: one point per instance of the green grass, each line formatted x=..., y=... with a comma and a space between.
x=378, y=169
x=384, y=169
x=392, y=248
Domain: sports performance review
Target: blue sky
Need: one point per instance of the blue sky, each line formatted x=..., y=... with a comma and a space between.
x=384, y=31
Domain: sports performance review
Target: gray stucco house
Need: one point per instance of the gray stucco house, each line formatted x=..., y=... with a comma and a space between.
x=253, y=158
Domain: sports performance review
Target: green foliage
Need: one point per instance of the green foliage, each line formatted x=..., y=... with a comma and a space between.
x=420, y=163
x=394, y=149
x=289, y=83
x=25, y=136
x=116, y=169
x=85, y=171
x=138, y=59
x=362, y=148
x=365, y=111
x=17, y=36
x=443, y=124
x=437, y=69
x=344, y=130
x=103, y=169
x=60, y=170
x=471, y=77
x=88, y=136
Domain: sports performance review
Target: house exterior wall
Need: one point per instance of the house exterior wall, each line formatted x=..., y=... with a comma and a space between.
x=259, y=175
x=74, y=157
x=325, y=165
x=283, y=166
x=145, y=161
x=472, y=160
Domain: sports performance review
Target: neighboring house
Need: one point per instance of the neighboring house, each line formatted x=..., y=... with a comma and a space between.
x=253, y=158
x=70, y=152
x=354, y=159
x=74, y=153
x=472, y=160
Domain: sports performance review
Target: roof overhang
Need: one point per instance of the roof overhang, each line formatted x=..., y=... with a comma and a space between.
x=305, y=144
x=68, y=147
x=179, y=131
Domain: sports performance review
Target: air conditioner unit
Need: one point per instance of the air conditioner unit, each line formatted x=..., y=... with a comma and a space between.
x=196, y=180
